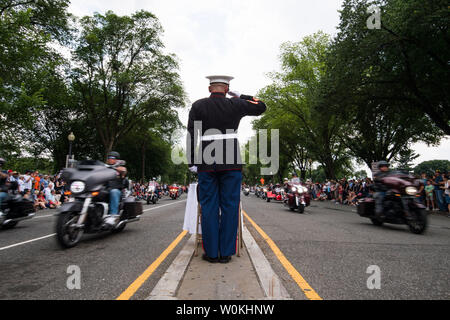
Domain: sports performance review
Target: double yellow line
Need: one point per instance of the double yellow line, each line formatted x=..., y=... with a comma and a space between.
x=301, y=282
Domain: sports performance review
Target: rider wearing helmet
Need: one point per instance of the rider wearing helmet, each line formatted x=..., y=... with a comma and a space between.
x=380, y=188
x=115, y=186
x=3, y=178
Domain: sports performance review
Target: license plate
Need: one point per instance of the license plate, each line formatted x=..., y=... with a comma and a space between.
x=71, y=200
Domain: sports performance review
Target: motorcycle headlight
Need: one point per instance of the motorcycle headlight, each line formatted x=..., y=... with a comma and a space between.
x=294, y=189
x=412, y=191
x=305, y=190
x=265, y=190
x=77, y=186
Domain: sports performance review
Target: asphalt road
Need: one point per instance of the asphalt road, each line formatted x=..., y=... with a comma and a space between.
x=332, y=248
x=108, y=263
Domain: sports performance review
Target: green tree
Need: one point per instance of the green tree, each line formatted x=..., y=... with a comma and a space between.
x=297, y=106
x=430, y=167
x=400, y=70
x=122, y=76
x=26, y=30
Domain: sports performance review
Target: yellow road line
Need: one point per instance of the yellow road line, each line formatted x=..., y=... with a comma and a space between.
x=301, y=282
x=127, y=294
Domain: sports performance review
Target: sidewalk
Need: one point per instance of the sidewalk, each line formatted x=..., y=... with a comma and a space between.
x=248, y=277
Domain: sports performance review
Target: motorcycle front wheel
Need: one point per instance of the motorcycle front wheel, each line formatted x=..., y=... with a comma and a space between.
x=419, y=225
x=68, y=236
x=301, y=208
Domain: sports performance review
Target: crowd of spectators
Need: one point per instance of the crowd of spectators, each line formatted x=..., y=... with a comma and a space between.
x=46, y=191
x=434, y=191
x=345, y=192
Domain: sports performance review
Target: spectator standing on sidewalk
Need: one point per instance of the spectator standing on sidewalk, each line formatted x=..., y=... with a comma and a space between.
x=439, y=192
x=429, y=192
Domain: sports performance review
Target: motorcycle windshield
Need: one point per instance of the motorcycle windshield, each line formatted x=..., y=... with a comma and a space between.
x=92, y=175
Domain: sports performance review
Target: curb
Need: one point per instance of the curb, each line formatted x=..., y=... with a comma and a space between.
x=167, y=286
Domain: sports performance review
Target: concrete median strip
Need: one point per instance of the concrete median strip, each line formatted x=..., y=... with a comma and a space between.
x=169, y=285
x=269, y=281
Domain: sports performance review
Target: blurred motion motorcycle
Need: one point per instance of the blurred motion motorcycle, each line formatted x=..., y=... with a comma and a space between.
x=400, y=205
x=89, y=203
x=14, y=209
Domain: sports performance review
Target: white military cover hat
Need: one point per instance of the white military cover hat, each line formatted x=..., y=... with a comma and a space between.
x=220, y=79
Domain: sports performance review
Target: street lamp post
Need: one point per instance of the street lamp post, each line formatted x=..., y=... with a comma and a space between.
x=71, y=139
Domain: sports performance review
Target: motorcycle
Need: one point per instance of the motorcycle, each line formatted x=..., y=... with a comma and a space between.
x=400, y=204
x=270, y=195
x=14, y=209
x=152, y=196
x=88, y=204
x=173, y=192
x=246, y=191
x=263, y=193
x=258, y=192
x=279, y=194
x=298, y=198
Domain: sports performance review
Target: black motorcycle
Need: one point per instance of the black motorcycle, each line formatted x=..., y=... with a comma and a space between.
x=14, y=209
x=89, y=203
x=400, y=205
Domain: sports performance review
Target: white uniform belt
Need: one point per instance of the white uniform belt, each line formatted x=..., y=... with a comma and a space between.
x=220, y=137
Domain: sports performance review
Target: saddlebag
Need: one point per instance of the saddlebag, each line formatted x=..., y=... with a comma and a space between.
x=366, y=207
x=132, y=209
x=21, y=208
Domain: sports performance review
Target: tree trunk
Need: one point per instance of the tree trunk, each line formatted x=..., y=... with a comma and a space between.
x=143, y=149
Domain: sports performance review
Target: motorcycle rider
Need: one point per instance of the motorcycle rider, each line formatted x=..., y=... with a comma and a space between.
x=115, y=187
x=380, y=188
x=295, y=179
x=155, y=184
x=3, y=186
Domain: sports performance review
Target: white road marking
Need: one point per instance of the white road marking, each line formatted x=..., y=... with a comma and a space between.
x=53, y=234
x=164, y=205
x=25, y=242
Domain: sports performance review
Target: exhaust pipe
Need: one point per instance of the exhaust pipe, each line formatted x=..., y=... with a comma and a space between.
x=121, y=223
x=31, y=215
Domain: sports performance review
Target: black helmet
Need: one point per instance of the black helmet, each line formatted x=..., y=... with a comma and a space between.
x=383, y=164
x=2, y=162
x=114, y=155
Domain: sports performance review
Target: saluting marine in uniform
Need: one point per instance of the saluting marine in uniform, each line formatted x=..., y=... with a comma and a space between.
x=218, y=163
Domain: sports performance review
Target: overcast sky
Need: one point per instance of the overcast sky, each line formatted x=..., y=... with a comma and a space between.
x=240, y=38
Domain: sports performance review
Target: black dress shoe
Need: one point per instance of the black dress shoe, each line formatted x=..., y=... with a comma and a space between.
x=225, y=259
x=211, y=260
